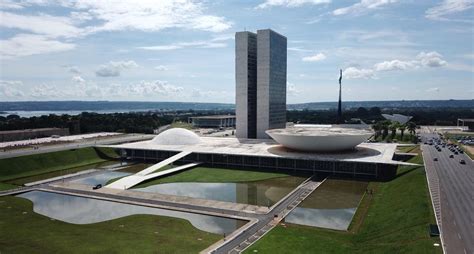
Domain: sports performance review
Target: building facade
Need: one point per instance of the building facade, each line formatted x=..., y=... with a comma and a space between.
x=222, y=121
x=260, y=73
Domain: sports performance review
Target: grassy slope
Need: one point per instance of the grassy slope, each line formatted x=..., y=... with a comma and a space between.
x=25, y=166
x=397, y=222
x=216, y=175
x=34, y=233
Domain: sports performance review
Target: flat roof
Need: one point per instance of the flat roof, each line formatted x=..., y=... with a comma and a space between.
x=321, y=131
x=365, y=152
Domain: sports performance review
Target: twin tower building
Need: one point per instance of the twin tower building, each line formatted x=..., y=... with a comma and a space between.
x=260, y=74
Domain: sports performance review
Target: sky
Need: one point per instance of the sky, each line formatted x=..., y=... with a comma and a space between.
x=183, y=50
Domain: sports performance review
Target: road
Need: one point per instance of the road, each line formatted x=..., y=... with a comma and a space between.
x=456, y=188
x=74, y=145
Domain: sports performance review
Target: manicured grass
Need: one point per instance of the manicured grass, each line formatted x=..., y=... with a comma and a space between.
x=409, y=149
x=7, y=186
x=34, y=233
x=181, y=125
x=25, y=166
x=396, y=221
x=214, y=175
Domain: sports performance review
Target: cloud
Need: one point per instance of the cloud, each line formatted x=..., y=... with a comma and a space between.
x=362, y=7
x=433, y=89
x=113, y=69
x=393, y=65
x=431, y=59
x=157, y=87
x=148, y=15
x=8, y=4
x=217, y=42
x=314, y=58
x=161, y=68
x=290, y=3
x=291, y=89
x=448, y=7
x=44, y=91
x=50, y=26
x=356, y=73
x=30, y=44
x=9, y=89
x=78, y=79
x=74, y=69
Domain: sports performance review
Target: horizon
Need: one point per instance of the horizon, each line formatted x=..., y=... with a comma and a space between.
x=81, y=51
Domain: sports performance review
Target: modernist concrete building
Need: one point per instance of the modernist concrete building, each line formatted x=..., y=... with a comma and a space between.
x=221, y=121
x=260, y=73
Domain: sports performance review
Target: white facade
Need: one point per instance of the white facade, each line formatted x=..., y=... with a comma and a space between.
x=323, y=139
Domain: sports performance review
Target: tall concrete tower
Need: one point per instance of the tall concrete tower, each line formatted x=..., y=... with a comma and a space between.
x=260, y=71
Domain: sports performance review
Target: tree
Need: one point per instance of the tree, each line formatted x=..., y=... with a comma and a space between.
x=385, y=126
x=377, y=128
x=402, y=128
x=411, y=126
x=393, y=128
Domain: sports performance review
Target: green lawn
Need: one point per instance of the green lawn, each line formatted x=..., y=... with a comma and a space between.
x=25, y=166
x=34, y=233
x=214, y=175
x=393, y=220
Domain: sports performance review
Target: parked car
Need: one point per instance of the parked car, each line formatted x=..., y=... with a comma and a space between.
x=462, y=161
x=435, y=159
x=451, y=156
x=98, y=186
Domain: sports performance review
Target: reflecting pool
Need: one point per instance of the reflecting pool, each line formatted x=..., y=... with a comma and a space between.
x=332, y=205
x=79, y=210
x=101, y=178
x=262, y=193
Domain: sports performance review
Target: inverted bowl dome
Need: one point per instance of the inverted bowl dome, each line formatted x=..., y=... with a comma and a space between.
x=177, y=136
x=320, y=139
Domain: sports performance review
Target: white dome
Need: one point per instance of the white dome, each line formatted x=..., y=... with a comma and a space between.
x=177, y=136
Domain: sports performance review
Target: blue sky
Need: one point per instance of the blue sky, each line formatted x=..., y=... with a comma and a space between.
x=183, y=50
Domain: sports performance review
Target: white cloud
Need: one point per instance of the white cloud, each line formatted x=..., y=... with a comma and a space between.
x=314, y=58
x=157, y=87
x=45, y=91
x=161, y=68
x=148, y=15
x=78, y=79
x=30, y=44
x=362, y=7
x=448, y=7
x=216, y=42
x=433, y=89
x=393, y=65
x=73, y=69
x=51, y=26
x=9, y=4
x=291, y=89
x=356, y=73
x=9, y=89
x=113, y=69
x=290, y=3
x=431, y=59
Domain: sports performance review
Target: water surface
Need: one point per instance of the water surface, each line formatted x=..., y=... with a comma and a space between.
x=79, y=210
x=332, y=205
x=101, y=178
x=262, y=193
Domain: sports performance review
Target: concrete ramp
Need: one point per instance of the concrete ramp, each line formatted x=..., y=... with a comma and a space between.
x=147, y=174
x=163, y=163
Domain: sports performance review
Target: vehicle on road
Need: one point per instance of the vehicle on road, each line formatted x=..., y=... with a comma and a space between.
x=98, y=186
x=462, y=161
x=451, y=156
x=435, y=159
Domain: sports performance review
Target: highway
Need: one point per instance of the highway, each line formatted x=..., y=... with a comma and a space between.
x=74, y=145
x=456, y=190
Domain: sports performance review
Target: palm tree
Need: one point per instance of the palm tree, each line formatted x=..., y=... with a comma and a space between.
x=393, y=127
x=385, y=126
x=411, y=126
x=377, y=128
x=402, y=128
